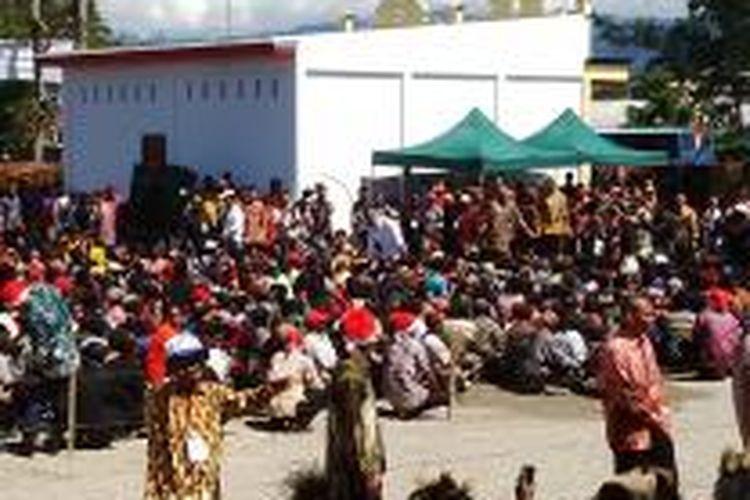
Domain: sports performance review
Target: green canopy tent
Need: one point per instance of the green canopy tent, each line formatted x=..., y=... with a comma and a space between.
x=569, y=133
x=475, y=144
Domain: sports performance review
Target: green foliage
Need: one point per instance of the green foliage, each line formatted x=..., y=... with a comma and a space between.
x=720, y=57
x=16, y=98
x=732, y=144
x=702, y=69
x=666, y=103
x=15, y=19
x=58, y=21
x=22, y=119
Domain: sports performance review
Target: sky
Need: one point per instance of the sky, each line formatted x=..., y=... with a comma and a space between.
x=168, y=17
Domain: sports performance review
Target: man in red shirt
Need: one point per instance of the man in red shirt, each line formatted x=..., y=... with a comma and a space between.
x=166, y=327
x=632, y=390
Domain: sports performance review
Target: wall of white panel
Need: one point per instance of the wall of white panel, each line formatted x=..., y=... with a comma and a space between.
x=348, y=116
x=363, y=91
x=216, y=117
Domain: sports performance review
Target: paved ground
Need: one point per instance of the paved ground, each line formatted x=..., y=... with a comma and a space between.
x=491, y=435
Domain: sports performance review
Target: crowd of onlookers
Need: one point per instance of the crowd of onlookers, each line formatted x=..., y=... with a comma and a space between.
x=515, y=284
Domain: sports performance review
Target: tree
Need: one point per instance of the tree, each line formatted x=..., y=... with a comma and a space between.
x=701, y=68
x=665, y=100
x=719, y=58
x=59, y=21
x=25, y=118
x=22, y=118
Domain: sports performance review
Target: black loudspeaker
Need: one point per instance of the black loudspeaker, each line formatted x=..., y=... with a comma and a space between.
x=154, y=150
x=156, y=201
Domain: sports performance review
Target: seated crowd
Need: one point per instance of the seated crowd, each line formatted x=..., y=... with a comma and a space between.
x=511, y=284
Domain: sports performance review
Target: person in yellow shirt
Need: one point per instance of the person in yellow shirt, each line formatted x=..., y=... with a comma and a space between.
x=556, y=229
x=98, y=256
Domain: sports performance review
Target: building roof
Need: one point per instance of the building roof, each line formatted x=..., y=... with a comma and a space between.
x=264, y=49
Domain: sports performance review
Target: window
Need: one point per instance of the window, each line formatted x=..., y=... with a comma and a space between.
x=137, y=92
x=603, y=90
x=222, y=90
x=258, y=88
x=205, y=90
x=189, y=91
x=240, y=89
x=123, y=93
x=275, y=89
x=152, y=93
x=84, y=95
x=95, y=94
x=110, y=94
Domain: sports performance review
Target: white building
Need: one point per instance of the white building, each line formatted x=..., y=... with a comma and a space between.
x=17, y=61
x=312, y=108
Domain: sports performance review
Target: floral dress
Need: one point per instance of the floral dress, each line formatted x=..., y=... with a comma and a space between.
x=185, y=438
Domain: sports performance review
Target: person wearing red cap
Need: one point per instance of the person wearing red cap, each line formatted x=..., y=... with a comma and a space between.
x=355, y=454
x=717, y=334
x=293, y=365
x=318, y=343
x=359, y=325
x=410, y=382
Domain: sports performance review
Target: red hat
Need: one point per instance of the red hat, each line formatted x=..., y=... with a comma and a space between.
x=359, y=325
x=12, y=292
x=295, y=259
x=719, y=299
x=293, y=337
x=317, y=319
x=200, y=294
x=401, y=321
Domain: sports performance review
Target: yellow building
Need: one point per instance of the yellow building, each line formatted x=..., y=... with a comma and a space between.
x=504, y=9
x=400, y=13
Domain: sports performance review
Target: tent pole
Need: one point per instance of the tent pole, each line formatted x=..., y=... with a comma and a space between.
x=408, y=212
x=72, y=402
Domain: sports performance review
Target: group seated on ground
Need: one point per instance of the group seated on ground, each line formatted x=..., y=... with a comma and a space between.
x=507, y=284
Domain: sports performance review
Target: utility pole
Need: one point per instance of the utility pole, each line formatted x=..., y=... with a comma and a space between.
x=37, y=32
x=228, y=20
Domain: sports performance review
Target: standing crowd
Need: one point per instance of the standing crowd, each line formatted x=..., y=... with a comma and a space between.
x=253, y=304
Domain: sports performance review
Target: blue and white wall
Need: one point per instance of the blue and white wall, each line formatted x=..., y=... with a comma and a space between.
x=216, y=116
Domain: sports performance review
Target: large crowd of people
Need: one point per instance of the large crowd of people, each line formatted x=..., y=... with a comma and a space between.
x=516, y=284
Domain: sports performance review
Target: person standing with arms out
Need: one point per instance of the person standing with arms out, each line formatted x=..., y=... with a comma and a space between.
x=184, y=419
x=632, y=391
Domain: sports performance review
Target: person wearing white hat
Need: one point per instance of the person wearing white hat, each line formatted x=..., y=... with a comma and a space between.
x=184, y=421
x=234, y=222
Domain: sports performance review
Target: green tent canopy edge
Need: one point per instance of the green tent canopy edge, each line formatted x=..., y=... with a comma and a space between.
x=568, y=132
x=474, y=144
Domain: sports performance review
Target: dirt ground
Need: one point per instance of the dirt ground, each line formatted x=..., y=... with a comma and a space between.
x=491, y=434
